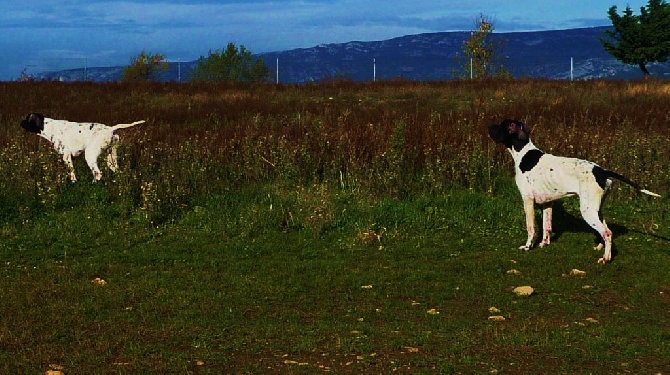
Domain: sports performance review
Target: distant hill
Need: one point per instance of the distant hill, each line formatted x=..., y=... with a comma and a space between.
x=425, y=57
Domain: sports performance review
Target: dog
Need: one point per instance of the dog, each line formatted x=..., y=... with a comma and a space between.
x=71, y=139
x=543, y=178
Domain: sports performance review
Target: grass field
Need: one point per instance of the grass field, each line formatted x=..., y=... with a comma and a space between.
x=335, y=227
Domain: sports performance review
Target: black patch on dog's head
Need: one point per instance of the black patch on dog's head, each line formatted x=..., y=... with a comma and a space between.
x=511, y=133
x=33, y=123
x=530, y=160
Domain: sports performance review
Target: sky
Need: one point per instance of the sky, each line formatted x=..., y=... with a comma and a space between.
x=48, y=35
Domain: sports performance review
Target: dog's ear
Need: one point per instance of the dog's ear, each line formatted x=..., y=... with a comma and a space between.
x=515, y=134
x=521, y=130
x=33, y=123
x=516, y=128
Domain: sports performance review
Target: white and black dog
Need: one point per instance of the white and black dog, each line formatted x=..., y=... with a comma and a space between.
x=72, y=138
x=543, y=178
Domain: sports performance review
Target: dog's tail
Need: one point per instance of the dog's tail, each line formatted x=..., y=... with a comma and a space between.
x=123, y=126
x=610, y=174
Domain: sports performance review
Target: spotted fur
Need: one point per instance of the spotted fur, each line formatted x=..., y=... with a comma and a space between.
x=543, y=178
x=71, y=139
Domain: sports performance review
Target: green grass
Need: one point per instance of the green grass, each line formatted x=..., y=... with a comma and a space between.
x=341, y=227
x=236, y=287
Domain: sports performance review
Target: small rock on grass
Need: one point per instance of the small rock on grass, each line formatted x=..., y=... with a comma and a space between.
x=523, y=291
x=576, y=272
x=55, y=369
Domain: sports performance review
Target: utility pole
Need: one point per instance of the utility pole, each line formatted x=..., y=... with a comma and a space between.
x=374, y=70
x=471, y=68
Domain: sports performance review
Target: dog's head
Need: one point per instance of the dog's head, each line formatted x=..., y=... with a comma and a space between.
x=33, y=123
x=511, y=133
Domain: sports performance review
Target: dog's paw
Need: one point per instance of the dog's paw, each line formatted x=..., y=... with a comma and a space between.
x=599, y=247
x=524, y=248
x=543, y=243
x=603, y=260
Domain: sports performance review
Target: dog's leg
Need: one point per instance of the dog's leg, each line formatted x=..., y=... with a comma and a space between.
x=112, y=156
x=546, y=225
x=600, y=244
x=67, y=158
x=529, y=209
x=91, y=156
x=591, y=213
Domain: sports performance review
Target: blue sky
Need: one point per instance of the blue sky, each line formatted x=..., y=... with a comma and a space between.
x=42, y=35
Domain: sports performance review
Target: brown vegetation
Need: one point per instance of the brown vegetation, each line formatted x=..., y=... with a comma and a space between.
x=382, y=139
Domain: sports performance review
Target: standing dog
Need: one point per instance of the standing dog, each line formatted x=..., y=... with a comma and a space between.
x=72, y=138
x=543, y=178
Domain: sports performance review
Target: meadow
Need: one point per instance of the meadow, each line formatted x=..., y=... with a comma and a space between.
x=334, y=227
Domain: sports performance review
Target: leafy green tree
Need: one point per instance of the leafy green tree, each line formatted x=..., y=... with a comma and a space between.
x=640, y=39
x=231, y=65
x=143, y=67
x=480, y=55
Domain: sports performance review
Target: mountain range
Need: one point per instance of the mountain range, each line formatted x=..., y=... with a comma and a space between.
x=557, y=54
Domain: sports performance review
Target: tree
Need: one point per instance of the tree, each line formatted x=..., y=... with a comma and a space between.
x=143, y=67
x=480, y=57
x=232, y=65
x=640, y=40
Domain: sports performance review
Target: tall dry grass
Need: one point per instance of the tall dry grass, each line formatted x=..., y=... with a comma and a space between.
x=376, y=139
